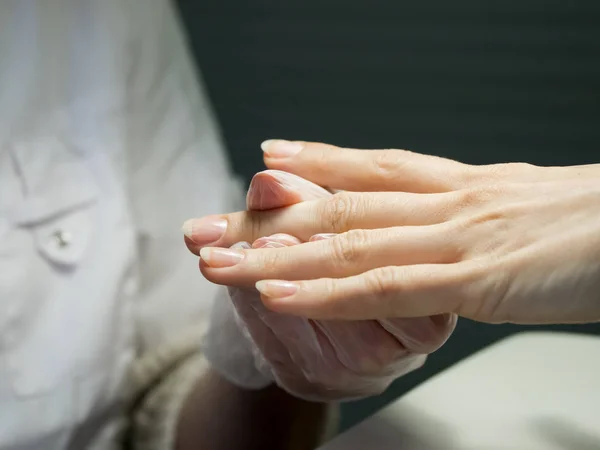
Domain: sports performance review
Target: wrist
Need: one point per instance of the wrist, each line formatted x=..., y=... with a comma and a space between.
x=221, y=415
x=155, y=418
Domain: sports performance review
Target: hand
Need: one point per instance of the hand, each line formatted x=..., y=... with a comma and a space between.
x=327, y=360
x=500, y=243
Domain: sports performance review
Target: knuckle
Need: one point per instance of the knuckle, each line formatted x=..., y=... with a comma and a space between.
x=500, y=172
x=339, y=211
x=485, y=295
x=380, y=282
x=330, y=303
x=466, y=175
x=331, y=287
x=255, y=224
x=477, y=229
x=348, y=248
x=477, y=196
x=321, y=154
x=387, y=164
x=357, y=238
x=490, y=218
x=272, y=261
x=382, y=287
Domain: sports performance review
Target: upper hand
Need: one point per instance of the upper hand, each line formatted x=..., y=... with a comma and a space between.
x=507, y=242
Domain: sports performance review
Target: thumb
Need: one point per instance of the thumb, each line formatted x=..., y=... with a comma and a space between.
x=272, y=189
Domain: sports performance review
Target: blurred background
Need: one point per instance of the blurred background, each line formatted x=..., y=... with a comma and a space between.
x=481, y=82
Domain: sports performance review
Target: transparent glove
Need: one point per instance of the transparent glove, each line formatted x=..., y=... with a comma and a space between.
x=326, y=360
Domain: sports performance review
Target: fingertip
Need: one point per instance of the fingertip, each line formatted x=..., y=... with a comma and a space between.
x=191, y=246
x=216, y=275
x=264, y=145
x=270, y=304
x=276, y=288
x=275, y=293
x=206, y=230
x=203, y=268
x=280, y=149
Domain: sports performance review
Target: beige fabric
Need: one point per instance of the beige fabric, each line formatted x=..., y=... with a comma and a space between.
x=154, y=422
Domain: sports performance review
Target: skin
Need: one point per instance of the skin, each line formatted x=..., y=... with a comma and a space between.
x=248, y=420
x=418, y=235
x=334, y=360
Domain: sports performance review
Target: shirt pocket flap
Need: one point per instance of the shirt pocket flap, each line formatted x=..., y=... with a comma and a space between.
x=59, y=191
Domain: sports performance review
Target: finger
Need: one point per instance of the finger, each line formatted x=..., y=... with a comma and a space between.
x=387, y=292
x=272, y=189
x=297, y=334
x=321, y=237
x=421, y=334
x=366, y=170
x=297, y=341
x=251, y=312
x=192, y=246
x=344, y=255
x=363, y=346
x=258, y=323
x=336, y=214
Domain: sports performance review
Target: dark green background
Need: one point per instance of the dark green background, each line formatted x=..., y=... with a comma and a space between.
x=478, y=81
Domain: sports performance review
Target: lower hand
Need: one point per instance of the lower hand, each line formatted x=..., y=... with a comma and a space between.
x=327, y=360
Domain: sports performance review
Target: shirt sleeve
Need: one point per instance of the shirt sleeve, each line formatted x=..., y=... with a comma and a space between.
x=177, y=170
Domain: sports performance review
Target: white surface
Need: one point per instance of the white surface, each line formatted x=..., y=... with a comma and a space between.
x=531, y=391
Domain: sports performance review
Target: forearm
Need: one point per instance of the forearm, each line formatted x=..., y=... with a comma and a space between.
x=217, y=414
x=190, y=406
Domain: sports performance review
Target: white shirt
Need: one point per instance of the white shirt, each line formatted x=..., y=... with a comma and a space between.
x=107, y=145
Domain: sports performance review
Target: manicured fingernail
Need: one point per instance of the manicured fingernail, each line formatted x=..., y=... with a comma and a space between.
x=306, y=188
x=286, y=238
x=275, y=241
x=276, y=288
x=275, y=148
x=266, y=243
x=321, y=237
x=206, y=230
x=274, y=244
x=219, y=258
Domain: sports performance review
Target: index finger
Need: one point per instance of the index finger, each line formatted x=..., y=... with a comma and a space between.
x=269, y=189
x=365, y=170
x=337, y=214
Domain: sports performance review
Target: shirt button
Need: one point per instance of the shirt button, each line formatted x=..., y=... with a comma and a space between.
x=62, y=238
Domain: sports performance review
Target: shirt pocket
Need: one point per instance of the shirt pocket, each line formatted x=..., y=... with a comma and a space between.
x=49, y=232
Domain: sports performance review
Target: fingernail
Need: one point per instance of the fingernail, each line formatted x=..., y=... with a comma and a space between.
x=266, y=243
x=242, y=244
x=276, y=288
x=321, y=237
x=306, y=188
x=275, y=148
x=286, y=238
x=219, y=258
x=275, y=241
x=206, y=230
